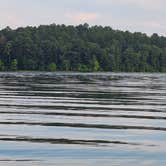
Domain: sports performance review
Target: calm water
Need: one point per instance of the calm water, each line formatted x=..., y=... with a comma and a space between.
x=73, y=119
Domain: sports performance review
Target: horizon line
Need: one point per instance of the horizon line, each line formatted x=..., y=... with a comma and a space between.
x=76, y=25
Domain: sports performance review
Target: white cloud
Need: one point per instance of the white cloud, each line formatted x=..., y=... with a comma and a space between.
x=133, y=15
x=10, y=19
x=145, y=4
x=153, y=24
x=77, y=18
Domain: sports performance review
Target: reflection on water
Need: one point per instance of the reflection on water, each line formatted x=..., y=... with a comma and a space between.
x=82, y=119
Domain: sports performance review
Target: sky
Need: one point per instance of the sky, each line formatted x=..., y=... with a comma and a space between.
x=147, y=16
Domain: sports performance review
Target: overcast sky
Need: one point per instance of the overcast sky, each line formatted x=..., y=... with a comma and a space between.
x=147, y=16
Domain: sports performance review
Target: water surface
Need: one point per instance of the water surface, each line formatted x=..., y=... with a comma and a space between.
x=78, y=119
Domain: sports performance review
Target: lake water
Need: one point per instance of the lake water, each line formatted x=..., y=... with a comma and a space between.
x=74, y=119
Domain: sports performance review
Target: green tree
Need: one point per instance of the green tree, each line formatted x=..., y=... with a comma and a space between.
x=66, y=65
x=95, y=64
x=82, y=68
x=52, y=67
x=7, y=53
x=14, y=65
x=81, y=48
x=2, y=67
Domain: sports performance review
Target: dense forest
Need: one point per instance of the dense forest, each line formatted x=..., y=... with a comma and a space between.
x=80, y=48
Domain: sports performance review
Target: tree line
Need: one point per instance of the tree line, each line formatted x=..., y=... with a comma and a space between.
x=80, y=48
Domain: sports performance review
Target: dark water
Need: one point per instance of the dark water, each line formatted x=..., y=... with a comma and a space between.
x=73, y=119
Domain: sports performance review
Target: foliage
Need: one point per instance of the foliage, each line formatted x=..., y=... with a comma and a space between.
x=2, y=67
x=14, y=65
x=81, y=48
x=52, y=67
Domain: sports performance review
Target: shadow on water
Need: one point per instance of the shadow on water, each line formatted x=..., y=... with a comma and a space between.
x=79, y=125
x=68, y=141
x=84, y=115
